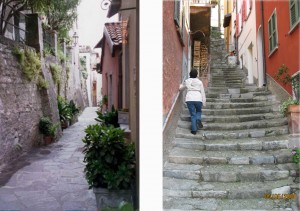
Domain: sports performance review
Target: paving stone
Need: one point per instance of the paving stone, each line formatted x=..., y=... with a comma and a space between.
x=239, y=160
x=282, y=190
x=251, y=146
x=53, y=177
x=262, y=160
x=270, y=145
x=209, y=194
x=274, y=175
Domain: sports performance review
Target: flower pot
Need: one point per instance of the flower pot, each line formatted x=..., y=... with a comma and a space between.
x=64, y=124
x=111, y=198
x=123, y=117
x=294, y=119
x=48, y=140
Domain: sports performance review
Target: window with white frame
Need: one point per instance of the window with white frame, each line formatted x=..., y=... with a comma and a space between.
x=294, y=12
x=272, y=32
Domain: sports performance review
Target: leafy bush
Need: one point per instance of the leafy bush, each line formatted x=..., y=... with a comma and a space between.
x=46, y=127
x=108, y=118
x=284, y=106
x=56, y=72
x=74, y=109
x=110, y=161
x=42, y=83
x=30, y=63
x=296, y=155
x=65, y=113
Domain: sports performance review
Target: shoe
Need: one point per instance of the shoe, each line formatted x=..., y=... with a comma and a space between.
x=199, y=124
x=193, y=132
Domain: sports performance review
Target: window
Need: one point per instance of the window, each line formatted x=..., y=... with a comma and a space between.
x=272, y=26
x=294, y=12
x=177, y=13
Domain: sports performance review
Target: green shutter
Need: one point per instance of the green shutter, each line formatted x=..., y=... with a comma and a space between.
x=294, y=12
x=177, y=12
x=270, y=35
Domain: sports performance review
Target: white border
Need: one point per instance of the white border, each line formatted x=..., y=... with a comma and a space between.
x=151, y=105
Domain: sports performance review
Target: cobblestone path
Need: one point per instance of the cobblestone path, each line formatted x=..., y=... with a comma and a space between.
x=50, y=178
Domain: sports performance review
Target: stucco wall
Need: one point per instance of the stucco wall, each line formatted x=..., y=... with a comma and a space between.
x=247, y=40
x=172, y=58
x=288, y=43
x=110, y=67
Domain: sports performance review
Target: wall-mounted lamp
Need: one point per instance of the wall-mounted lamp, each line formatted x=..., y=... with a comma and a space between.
x=75, y=38
x=105, y=4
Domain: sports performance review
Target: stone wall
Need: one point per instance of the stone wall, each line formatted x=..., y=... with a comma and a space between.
x=22, y=103
x=20, y=107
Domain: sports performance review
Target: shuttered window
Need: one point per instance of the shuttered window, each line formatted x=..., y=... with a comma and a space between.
x=294, y=12
x=272, y=26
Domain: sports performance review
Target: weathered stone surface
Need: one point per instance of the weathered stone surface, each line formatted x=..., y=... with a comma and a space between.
x=282, y=190
x=52, y=177
x=274, y=175
x=262, y=160
x=239, y=160
x=251, y=146
x=271, y=145
x=209, y=194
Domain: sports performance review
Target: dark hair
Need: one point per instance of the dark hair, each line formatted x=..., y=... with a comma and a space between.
x=193, y=73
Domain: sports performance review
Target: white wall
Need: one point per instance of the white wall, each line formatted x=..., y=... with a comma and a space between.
x=247, y=43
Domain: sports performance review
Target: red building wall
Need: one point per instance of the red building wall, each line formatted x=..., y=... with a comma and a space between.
x=110, y=66
x=172, y=57
x=288, y=44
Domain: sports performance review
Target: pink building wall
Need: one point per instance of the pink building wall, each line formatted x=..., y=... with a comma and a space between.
x=110, y=66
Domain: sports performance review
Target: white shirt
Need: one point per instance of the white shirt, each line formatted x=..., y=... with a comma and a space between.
x=195, y=90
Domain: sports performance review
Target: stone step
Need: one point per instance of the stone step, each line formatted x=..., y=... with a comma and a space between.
x=234, y=111
x=234, y=119
x=245, y=95
x=267, y=143
x=226, y=105
x=211, y=204
x=231, y=157
x=238, y=125
x=237, y=134
x=243, y=100
x=227, y=173
x=218, y=190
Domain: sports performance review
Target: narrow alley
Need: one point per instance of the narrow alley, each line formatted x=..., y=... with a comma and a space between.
x=51, y=177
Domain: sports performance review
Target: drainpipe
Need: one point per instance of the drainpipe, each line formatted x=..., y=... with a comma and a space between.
x=236, y=37
x=263, y=41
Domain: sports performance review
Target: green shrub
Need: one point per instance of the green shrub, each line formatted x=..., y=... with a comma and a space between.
x=108, y=118
x=296, y=155
x=30, y=63
x=65, y=113
x=284, y=106
x=56, y=72
x=42, y=83
x=110, y=161
x=46, y=127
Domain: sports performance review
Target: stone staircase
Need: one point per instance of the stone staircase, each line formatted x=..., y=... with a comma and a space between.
x=240, y=155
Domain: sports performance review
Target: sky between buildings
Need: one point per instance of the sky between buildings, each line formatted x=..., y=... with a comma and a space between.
x=91, y=19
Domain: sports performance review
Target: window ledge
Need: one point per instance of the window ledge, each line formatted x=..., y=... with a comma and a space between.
x=294, y=27
x=273, y=51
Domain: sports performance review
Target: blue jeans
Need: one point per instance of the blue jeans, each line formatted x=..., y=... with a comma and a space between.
x=195, y=108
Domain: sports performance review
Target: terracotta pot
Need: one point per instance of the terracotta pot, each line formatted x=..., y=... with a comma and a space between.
x=111, y=198
x=48, y=140
x=294, y=119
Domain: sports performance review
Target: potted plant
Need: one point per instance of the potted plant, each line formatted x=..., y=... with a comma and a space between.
x=110, y=165
x=123, y=116
x=290, y=108
x=74, y=111
x=48, y=129
x=65, y=113
x=108, y=118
